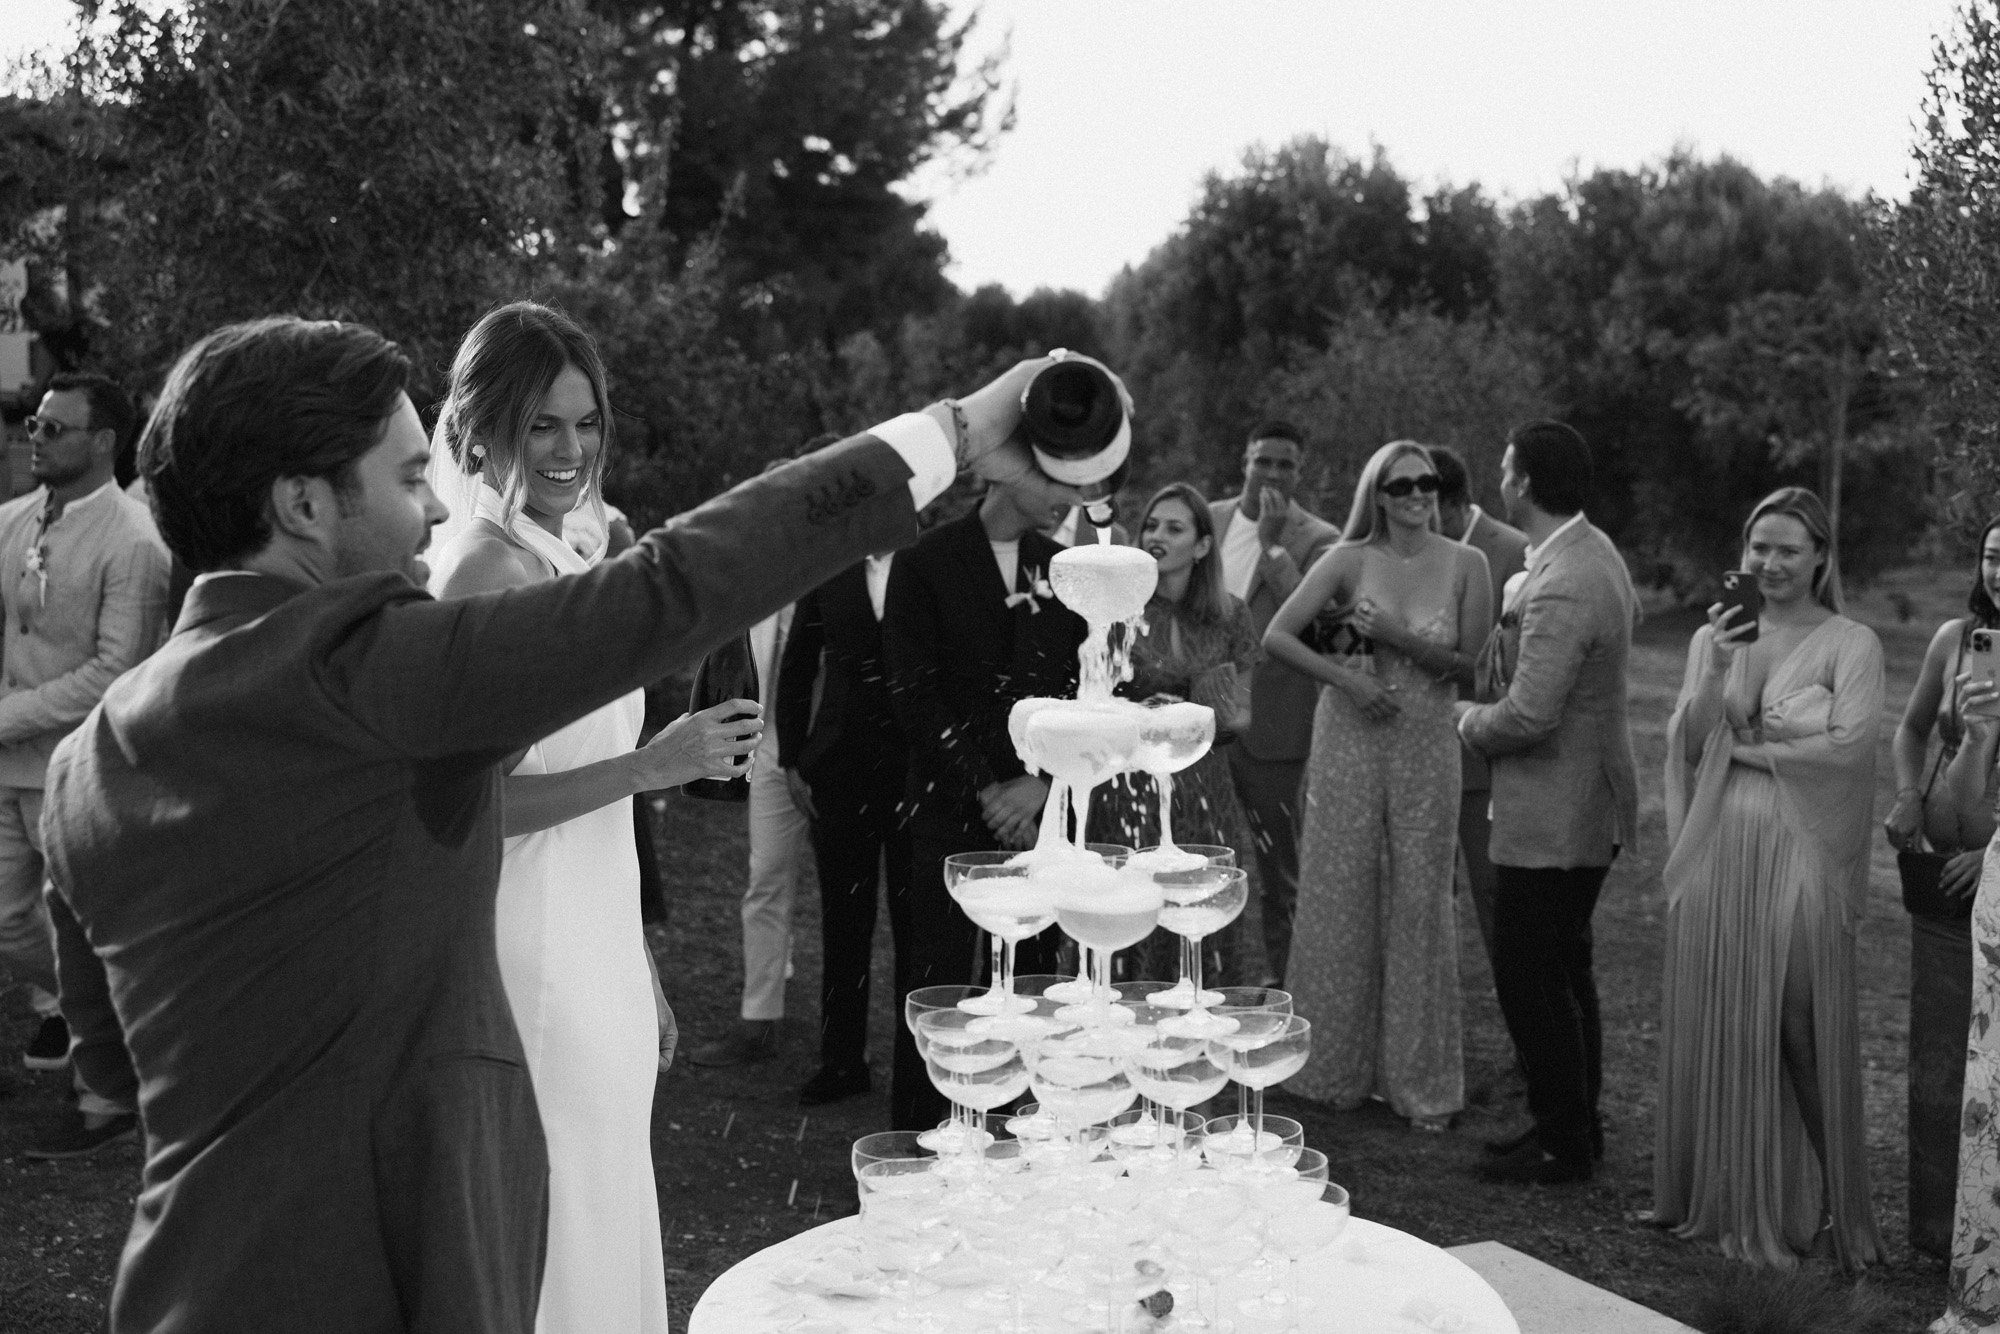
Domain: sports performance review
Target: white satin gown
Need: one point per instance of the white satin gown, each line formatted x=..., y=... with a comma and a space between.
x=572, y=958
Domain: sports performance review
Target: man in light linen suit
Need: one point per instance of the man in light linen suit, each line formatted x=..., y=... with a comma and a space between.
x=1268, y=542
x=1564, y=796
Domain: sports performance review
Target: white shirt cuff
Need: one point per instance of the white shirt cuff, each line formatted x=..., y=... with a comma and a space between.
x=927, y=450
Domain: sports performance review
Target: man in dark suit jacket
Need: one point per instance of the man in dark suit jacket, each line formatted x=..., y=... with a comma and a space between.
x=1505, y=548
x=966, y=637
x=843, y=752
x=1268, y=541
x=274, y=846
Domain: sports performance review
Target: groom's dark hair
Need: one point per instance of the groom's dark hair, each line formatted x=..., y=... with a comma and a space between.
x=253, y=402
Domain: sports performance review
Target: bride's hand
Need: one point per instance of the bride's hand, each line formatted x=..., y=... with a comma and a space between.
x=715, y=743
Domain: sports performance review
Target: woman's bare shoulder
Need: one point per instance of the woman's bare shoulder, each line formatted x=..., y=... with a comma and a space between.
x=483, y=560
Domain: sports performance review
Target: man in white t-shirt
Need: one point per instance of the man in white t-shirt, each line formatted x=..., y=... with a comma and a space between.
x=1268, y=542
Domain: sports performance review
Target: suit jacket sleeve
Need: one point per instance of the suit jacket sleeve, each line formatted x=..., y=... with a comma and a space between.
x=797, y=671
x=911, y=631
x=99, y=1053
x=494, y=673
x=1282, y=573
x=1555, y=635
x=129, y=620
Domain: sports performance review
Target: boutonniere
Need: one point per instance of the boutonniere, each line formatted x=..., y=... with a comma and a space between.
x=1037, y=589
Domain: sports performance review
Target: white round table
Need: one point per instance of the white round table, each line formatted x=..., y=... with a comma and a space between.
x=1374, y=1280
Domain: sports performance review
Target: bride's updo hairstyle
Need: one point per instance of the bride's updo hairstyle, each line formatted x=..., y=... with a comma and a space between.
x=498, y=379
x=1801, y=504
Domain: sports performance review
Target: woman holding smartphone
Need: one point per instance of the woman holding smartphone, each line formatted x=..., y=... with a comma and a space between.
x=1951, y=809
x=1947, y=803
x=1770, y=784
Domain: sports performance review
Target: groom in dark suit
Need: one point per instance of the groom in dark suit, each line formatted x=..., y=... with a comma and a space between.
x=972, y=627
x=274, y=846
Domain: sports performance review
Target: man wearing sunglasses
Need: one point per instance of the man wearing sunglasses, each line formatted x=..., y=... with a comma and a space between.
x=1268, y=542
x=83, y=581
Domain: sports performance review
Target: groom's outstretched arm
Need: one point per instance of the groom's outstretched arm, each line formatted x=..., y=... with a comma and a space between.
x=498, y=671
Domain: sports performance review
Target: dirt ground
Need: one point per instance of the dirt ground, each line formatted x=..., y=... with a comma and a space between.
x=739, y=1165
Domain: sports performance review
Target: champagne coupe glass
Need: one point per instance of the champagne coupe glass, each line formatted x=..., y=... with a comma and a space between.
x=1009, y=904
x=949, y=1136
x=1158, y=858
x=1228, y=1141
x=1079, y=1078
x=974, y=1069
x=1113, y=855
x=904, y=1231
x=1108, y=913
x=1171, y=737
x=1198, y=904
x=1294, y=1226
x=1177, y=1072
x=1082, y=743
x=1318, y=1222
x=1267, y=1048
x=1236, y=1002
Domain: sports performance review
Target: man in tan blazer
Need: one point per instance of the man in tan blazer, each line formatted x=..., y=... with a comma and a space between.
x=1506, y=550
x=1564, y=796
x=1268, y=541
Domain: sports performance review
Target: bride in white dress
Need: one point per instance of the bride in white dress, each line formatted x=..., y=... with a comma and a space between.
x=519, y=444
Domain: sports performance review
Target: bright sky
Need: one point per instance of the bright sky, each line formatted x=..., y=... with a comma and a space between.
x=1124, y=105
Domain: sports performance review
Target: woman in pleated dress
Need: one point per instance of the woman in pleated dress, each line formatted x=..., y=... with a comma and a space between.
x=1770, y=784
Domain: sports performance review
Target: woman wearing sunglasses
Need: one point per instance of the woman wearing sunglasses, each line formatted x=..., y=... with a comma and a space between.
x=1374, y=959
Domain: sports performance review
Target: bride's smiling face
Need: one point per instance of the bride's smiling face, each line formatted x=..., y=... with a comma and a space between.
x=562, y=445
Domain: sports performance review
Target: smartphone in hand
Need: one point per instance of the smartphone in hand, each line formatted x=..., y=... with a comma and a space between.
x=1742, y=601
x=1982, y=663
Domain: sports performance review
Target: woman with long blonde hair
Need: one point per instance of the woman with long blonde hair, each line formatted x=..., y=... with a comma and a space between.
x=1770, y=783
x=1374, y=960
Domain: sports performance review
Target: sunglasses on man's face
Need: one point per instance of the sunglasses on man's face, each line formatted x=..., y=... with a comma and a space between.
x=1402, y=487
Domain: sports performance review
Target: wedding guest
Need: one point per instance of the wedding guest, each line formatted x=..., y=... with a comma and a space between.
x=1268, y=541
x=1375, y=954
x=1973, y=1284
x=1565, y=798
x=847, y=763
x=521, y=441
x=274, y=845
x=1505, y=547
x=971, y=625
x=780, y=853
x=83, y=576
x=1761, y=1145
x=1948, y=804
x=1198, y=645
x=1940, y=825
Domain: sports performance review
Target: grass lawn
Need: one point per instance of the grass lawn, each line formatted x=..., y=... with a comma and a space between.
x=740, y=1166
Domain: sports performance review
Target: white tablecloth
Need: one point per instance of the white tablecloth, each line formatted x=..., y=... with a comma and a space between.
x=1374, y=1280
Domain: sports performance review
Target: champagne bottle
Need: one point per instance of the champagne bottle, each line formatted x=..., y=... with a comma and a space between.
x=1074, y=419
x=728, y=672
